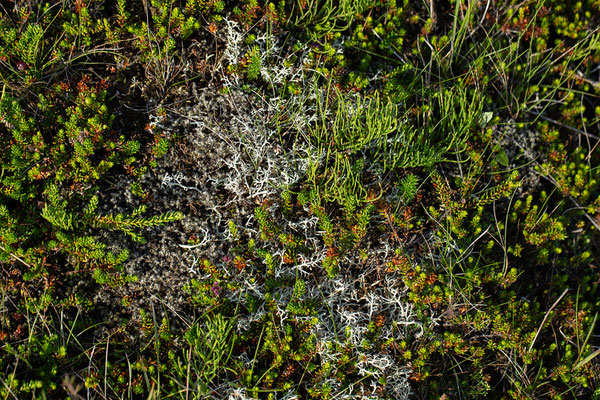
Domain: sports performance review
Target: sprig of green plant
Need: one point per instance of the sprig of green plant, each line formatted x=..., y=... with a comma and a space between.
x=211, y=342
x=321, y=18
x=127, y=223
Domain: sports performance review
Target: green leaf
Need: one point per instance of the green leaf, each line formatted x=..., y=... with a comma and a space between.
x=501, y=156
x=485, y=118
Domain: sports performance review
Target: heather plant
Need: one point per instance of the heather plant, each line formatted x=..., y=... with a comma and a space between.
x=456, y=281
x=52, y=171
x=59, y=141
x=472, y=259
x=156, y=37
x=62, y=162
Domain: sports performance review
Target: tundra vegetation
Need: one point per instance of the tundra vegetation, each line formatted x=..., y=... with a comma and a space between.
x=300, y=199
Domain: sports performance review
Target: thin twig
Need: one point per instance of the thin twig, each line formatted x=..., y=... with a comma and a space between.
x=565, y=126
x=586, y=80
x=7, y=386
x=16, y=257
x=545, y=317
